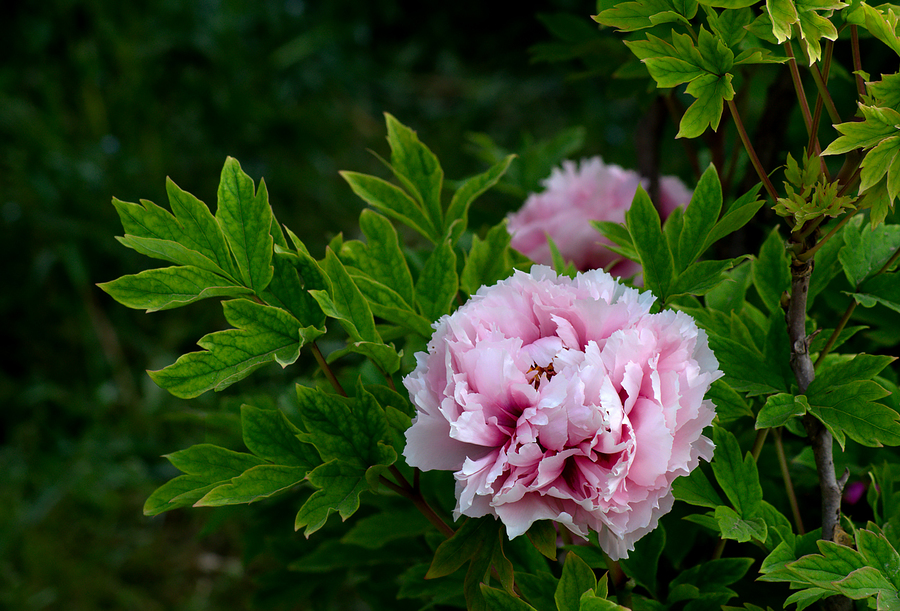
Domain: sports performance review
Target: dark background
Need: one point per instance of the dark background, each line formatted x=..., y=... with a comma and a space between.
x=101, y=99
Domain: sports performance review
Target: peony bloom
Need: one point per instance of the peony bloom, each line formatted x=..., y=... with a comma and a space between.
x=553, y=398
x=574, y=196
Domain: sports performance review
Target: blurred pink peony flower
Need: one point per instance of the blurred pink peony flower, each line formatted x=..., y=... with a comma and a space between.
x=575, y=195
x=563, y=399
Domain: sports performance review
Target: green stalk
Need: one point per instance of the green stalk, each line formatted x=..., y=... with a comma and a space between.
x=857, y=61
x=788, y=484
x=327, y=370
x=798, y=87
x=748, y=146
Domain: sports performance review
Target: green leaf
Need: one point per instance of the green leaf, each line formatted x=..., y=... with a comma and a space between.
x=738, y=479
x=850, y=409
x=542, y=535
x=270, y=435
x=538, y=588
x=745, y=368
x=879, y=162
x=729, y=296
x=254, y=484
x=702, y=277
x=642, y=220
x=351, y=430
x=345, y=302
x=438, y=283
x=826, y=268
x=205, y=466
x=458, y=211
x=417, y=168
x=882, y=288
x=170, y=287
x=385, y=303
x=488, y=261
x=186, y=240
x=263, y=334
x=286, y=291
x=730, y=25
x=730, y=405
x=879, y=553
x=381, y=257
x=375, y=531
x=771, y=272
x=860, y=367
x=699, y=218
x=833, y=563
x=384, y=356
x=879, y=123
x=171, y=251
x=500, y=600
x=711, y=91
x=577, y=578
x=732, y=526
x=631, y=16
x=729, y=4
x=589, y=601
x=738, y=214
x=779, y=409
x=618, y=234
x=713, y=574
x=642, y=563
x=391, y=201
x=200, y=229
x=881, y=22
x=863, y=583
x=783, y=14
x=462, y=546
x=866, y=250
x=339, y=486
x=246, y=221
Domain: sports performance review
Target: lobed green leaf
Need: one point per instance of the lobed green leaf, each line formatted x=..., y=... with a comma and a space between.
x=245, y=217
x=170, y=287
x=256, y=483
x=339, y=486
x=263, y=334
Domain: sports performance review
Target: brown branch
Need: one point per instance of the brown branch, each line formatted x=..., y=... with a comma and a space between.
x=819, y=436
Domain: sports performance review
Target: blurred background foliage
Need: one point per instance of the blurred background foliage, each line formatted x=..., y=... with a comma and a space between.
x=102, y=99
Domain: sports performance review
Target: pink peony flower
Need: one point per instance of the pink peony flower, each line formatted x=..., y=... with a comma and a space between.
x=563, y=399
x=574, y=196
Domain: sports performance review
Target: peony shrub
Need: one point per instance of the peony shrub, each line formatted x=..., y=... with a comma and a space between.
x=563, y=399
x=576, y=194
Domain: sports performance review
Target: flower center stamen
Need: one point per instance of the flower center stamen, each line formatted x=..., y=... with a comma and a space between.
x=548, y=372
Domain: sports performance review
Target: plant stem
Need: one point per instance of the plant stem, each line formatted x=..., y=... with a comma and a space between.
x=819, y=436
x=825, y=95
x=407, y=491
x=760, y=171
x=837, y=331
x=788, y=483
x=758, y=443
x=798, y=87
x=857, y=61
x=327, y=370
x=719, y=550
x=809, y=253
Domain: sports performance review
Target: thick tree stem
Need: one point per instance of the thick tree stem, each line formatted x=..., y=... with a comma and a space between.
x=819, y=437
